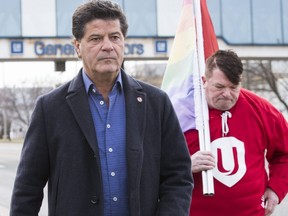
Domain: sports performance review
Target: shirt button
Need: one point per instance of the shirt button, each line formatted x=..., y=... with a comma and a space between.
x=113, y=174
x=110, y=149
x=94, y=200
x=101, y=102
x=115, y=199
x=108, y=126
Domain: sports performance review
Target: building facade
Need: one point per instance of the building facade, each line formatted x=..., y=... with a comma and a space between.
x=41, y=30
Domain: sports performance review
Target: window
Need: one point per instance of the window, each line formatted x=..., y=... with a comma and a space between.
x=10, y=18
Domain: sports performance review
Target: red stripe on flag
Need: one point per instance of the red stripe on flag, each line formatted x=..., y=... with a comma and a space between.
x=209, y=37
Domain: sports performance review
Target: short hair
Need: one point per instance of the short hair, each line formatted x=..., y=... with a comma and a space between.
x=97, y=9
x=228, y=62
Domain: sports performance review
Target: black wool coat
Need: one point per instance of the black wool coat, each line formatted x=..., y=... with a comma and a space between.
x=60, y=148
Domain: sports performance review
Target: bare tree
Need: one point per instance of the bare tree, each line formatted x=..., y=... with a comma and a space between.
x=267, y=77
x=16, y=106
x=149, y=72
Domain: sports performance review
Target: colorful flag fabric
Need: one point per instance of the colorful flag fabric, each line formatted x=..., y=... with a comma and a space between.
x=209, y=37
x=182, y=78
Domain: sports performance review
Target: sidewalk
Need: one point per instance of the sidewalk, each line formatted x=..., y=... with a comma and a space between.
x=4, y=211
x=282, y=209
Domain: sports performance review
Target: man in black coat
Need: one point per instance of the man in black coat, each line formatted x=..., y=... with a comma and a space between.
x=105, y=143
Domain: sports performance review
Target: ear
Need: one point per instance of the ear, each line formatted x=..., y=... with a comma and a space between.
x=76, y=44
x=241, y=77
x=203, y=79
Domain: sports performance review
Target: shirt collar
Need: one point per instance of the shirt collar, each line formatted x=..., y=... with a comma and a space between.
x=88, y=83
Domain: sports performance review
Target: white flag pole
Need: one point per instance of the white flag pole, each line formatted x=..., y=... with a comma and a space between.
x=204, y=132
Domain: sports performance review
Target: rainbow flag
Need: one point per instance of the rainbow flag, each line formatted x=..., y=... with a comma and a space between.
x=182, y=78
x=194, y=42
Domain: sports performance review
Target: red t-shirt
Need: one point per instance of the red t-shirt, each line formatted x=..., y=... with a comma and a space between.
x=240, y=178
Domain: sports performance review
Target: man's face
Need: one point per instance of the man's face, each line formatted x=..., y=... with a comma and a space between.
x=221, y=94
x=102, y=47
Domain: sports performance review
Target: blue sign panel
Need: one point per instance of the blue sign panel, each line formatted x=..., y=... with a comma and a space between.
x=161, y=46
x=17, y=47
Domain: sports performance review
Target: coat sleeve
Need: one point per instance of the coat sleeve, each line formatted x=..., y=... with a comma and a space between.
x=191, y=137
x=33, y=169
x=176, y=177
x=277, y=155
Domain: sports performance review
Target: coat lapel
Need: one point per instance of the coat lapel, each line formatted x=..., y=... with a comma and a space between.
x=77, y=99
x=135, y=125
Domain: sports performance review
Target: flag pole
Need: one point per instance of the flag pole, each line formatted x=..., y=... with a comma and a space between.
x=204, y=132
x=182, y=79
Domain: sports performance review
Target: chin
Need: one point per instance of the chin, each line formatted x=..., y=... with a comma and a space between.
x=224, y=107
x=110, y=68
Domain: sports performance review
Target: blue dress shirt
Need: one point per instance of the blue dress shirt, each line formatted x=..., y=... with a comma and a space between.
x=110, y=128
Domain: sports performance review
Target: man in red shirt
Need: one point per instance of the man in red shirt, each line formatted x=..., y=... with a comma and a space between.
x=245, y=129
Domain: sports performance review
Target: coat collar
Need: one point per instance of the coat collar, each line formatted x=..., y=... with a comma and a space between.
x=135, y=100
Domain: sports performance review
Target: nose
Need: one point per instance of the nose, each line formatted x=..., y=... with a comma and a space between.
x=107, y=45
x=226, y=92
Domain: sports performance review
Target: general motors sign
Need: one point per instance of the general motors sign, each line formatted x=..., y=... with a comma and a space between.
x=63, y=49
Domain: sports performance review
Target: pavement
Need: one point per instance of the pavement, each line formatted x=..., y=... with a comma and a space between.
x=4, y=211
